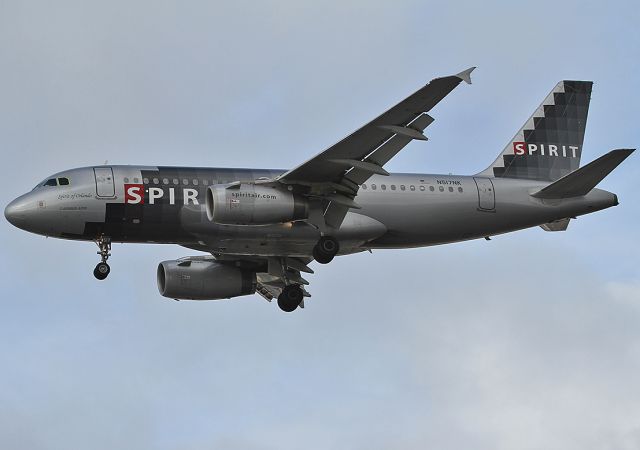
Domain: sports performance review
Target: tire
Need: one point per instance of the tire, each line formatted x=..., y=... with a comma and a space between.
x=290, y=298
x=101, y=271
x=326, y=249
x=321, y=257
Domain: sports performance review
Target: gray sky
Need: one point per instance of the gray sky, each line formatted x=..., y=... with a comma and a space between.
x=529, y=341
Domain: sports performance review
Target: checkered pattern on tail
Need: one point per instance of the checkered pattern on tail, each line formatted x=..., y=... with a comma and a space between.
x=549, y=144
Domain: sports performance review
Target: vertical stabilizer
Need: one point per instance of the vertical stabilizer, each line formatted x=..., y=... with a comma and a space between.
x=549, y=145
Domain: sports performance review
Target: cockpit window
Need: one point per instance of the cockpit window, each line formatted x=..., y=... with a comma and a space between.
x=63, y=181
x=51, y=182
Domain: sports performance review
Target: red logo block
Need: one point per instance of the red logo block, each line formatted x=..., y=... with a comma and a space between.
x=134, y=194
x=519, y=148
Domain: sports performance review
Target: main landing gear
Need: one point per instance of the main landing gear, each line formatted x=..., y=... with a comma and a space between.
x=325, y=250
x=102, y=269
x=290, y=298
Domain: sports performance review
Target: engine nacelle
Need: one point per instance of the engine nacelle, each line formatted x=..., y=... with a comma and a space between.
x=250, y=204
x=203, y=280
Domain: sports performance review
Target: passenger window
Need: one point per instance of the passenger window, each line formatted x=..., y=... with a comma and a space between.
x=364, y=186
x=402, y=187
x=195, y=182
x=431, y=188
x=135, y=180
x=373, y=186
x=450, y=189
x=205, y=182
x=393, y=187
x=412, y=187
x=422, y=188
x=383, y=187
x=459, y=189
x=175, y=181
x=126, y=180
x=51, y=182
x=63, y=181
x=145, y=181
x=441, y=189
x=165, y=181
x=156, y=181
x=185, y=181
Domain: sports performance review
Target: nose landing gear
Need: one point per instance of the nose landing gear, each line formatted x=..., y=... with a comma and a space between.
x=102, y=269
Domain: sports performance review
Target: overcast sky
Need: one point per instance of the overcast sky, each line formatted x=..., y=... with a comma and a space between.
x=529, y=341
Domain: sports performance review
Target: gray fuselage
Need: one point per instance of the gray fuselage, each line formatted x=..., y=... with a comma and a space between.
x=397, y=211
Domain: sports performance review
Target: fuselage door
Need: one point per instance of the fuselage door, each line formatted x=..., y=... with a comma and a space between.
x=104, y=182
x=486, y=194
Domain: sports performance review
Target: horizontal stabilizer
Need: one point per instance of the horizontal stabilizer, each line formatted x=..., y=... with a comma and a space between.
x=582, y=180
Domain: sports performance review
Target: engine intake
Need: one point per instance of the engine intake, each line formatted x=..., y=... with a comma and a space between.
x=250, y=204
x=203, y=280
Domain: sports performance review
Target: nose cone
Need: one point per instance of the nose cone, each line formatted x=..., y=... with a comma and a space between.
x=11, y=214
x=18, y=210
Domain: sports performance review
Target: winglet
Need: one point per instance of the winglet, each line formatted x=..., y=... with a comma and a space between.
x=465, y=75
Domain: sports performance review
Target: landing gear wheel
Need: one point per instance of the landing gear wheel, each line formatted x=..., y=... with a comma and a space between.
x=326, y=249
x=101, y=271
x=290, y=298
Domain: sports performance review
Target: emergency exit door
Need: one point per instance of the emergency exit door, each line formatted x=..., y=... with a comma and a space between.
x=104, y=182
x=486, y=194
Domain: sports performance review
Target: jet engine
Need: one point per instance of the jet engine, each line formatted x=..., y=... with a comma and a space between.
x=193, y=279
x=250, y=204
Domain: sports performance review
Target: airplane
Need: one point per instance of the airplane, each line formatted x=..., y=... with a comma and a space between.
x=260, y=229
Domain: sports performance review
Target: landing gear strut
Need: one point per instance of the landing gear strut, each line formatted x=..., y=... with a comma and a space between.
x=290, y=298
x=102, y=269
x=325, y=250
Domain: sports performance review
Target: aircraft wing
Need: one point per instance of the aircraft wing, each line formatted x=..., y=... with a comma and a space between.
x=334, y=176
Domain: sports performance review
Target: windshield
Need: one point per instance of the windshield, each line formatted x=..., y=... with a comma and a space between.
x=60, y=181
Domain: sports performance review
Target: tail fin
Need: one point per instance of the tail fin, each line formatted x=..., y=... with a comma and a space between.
x=549, y=144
